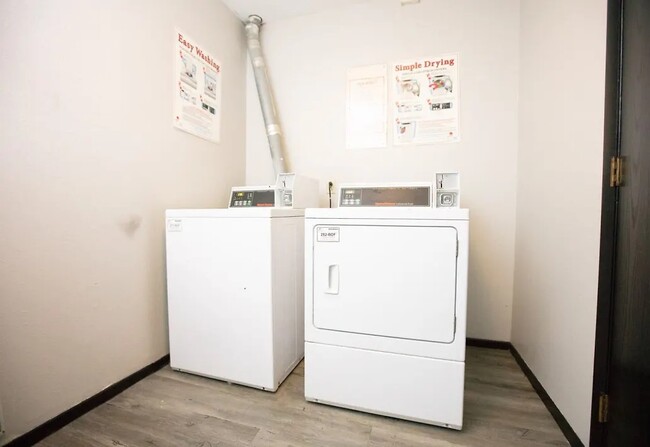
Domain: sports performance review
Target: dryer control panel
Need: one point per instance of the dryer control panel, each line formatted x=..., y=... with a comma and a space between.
x=383, y=195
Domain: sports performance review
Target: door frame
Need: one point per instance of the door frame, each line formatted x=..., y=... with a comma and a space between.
x=609, y=216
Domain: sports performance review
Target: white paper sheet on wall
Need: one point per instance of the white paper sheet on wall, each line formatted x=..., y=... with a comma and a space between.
x=197, y=89
x=366, y=107
x=426, y=106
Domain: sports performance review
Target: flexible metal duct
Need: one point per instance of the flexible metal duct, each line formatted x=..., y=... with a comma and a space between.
x=273, y=131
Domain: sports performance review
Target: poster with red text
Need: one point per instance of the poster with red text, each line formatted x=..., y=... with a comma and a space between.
x=426, y=100
x=197, y=89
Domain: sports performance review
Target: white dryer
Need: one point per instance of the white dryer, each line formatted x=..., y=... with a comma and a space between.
x=385, y=309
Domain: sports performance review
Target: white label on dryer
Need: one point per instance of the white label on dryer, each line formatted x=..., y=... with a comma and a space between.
x=174, y=225
x=328, y=234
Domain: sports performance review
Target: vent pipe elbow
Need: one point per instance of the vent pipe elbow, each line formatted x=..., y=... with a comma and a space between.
x=271, y=122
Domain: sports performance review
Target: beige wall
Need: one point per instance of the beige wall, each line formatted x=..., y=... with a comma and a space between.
x=88, y=163
x=558, y=208
x=308, y=57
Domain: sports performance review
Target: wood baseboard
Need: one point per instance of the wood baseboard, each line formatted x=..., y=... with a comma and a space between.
x=47, y=428
x=494, y=344
x=561, y=421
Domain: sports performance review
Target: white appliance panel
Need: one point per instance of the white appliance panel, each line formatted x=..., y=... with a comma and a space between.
x=210, y=319
x=409, y=387
x=446, y=217
x=390, y=213
x=288, y=286
x=385, y=280
x=228, y=213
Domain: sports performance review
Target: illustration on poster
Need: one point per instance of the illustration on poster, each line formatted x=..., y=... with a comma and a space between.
x=184, y=95
x=188, y=73
x=440, y=84
x=210, y=85
x=208, y=107
x=406, y=130
x=439, y=105
x=409, y=86
x=406, y=107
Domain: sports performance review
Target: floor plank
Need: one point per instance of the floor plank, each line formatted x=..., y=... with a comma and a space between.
x=170, y=408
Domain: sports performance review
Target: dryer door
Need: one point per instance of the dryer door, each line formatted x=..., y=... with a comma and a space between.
x=388, y=281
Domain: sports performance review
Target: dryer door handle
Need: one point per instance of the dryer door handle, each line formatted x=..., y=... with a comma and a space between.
x=333, y=279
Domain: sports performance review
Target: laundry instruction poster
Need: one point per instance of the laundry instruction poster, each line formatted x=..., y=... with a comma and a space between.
x=426, y=100
x=197, y=89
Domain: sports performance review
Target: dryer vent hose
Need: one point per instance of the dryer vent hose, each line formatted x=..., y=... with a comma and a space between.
x=273, y=131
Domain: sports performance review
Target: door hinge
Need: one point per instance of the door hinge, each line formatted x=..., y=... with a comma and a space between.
x=603, y=408
x=616, y=172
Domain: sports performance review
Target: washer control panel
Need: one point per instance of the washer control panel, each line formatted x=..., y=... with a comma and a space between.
x=245, y=198
x=290, y=191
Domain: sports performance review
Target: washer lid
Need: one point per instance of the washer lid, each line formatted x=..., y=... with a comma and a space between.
x=234, y=213
x=387, y=281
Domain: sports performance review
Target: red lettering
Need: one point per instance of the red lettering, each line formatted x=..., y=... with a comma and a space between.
x=185, y=42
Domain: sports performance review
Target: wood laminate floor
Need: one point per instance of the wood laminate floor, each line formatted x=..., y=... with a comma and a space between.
x=170, y=408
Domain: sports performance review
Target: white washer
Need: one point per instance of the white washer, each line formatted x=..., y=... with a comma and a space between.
x=235, y=293
x=385, y=310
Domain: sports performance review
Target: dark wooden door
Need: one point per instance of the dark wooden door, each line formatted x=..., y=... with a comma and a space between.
x=629, y=354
